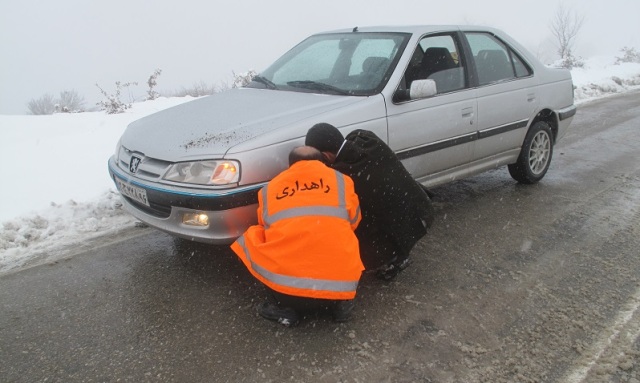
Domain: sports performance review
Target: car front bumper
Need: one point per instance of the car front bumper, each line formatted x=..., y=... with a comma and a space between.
x=230, y=212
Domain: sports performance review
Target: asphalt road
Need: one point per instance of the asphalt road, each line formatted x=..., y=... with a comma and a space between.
x=513, y=284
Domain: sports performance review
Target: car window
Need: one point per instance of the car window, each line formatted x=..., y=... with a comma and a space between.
x=382, y=48
x=522, y=69
x=437, y=58
x=343, y=63
x=313, y=63
x=494, y=60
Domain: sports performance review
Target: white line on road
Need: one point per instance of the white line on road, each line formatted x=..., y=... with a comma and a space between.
x=623, y=320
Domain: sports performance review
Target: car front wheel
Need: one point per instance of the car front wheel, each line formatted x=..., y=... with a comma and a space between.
x=535, y=155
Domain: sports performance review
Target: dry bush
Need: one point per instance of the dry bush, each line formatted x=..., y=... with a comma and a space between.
x=43, y=105
x=112, y=103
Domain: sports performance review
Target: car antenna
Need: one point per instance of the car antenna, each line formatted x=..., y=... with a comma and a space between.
x=355, y=29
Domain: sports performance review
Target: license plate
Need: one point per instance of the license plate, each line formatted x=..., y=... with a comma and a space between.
x=133, y=192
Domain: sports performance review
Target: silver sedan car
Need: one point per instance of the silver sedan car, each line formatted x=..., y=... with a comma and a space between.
x=451, y=101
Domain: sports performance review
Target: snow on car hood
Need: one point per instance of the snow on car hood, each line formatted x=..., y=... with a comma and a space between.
x=211, y=125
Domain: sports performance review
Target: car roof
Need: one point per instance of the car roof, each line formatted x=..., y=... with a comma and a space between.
x=415, y=29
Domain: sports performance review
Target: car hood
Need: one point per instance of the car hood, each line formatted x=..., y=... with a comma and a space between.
x=210, y=126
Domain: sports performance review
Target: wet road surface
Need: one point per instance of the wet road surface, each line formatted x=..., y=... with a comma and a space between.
x=514, y=283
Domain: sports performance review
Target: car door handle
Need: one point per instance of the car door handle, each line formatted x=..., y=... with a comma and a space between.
x=467, y=112
x=531, y=97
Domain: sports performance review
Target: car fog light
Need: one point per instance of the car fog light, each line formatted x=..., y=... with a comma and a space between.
x=195, y=219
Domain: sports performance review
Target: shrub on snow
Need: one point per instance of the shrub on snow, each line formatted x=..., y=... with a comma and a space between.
x=152, y=82
x=630, y=55
x=43, y=105
x=112, y=103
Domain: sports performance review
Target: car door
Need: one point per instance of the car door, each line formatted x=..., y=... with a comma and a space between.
x=506, y=98
x=434, y=134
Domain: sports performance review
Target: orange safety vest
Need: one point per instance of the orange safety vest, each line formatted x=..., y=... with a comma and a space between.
x=304, y=244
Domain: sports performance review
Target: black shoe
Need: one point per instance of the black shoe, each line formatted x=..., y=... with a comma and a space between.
x=342, y=310
x=387, y=272
x=402, y=264
x=285, y=316
x=390, y=271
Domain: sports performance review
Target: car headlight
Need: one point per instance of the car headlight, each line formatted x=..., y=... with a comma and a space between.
x=204, y=172
x=119, y=148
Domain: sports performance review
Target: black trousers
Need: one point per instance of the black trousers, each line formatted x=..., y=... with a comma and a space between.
x=300, y=304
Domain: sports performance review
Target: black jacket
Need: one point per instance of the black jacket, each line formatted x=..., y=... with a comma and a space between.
x=396, y=210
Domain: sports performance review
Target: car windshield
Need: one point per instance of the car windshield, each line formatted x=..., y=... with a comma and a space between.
x=336, y=63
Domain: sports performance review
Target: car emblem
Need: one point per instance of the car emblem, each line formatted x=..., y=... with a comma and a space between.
x=133, y=165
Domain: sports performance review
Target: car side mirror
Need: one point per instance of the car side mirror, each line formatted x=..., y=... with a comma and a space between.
x=422, y=89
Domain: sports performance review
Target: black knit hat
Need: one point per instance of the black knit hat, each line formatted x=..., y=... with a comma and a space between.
x=324, y=137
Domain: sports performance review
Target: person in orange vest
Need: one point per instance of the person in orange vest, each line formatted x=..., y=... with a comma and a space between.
x=304, y=249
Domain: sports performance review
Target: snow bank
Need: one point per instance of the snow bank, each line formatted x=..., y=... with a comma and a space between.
x=600, y=77
x=49, y=232
x=56, y=189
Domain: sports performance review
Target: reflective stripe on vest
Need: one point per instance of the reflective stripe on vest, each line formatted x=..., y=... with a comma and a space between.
x=339, y=211
x=298, y=282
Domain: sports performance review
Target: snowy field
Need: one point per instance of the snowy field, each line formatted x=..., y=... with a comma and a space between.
x=56, y=189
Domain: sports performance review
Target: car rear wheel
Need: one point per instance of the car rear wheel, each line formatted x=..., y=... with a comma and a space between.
x=535, y=155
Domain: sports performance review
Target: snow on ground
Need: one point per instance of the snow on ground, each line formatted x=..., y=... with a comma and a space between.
x=57, y=192
x=601, y=77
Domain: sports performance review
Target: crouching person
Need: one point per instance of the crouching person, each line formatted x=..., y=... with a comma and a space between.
x=303, y=248
x=396, y=210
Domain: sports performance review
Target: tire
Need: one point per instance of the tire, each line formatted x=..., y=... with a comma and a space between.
x=535, y=156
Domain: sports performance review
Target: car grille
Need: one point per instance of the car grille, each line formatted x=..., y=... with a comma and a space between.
x=149, y=169
x=156, y=210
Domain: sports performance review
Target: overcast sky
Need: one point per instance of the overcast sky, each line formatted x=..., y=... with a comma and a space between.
x=51, y=46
